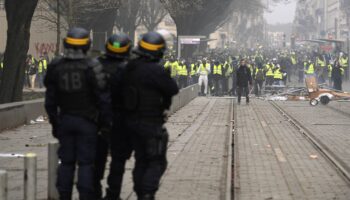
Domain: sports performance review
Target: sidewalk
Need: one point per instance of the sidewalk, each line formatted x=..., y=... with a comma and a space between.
x=197, y=158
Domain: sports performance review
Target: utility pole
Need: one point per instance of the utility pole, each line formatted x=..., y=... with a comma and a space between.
x=58, y=26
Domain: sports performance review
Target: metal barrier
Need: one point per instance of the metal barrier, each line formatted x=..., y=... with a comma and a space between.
x=30, y=177
x=184, y=97
x=3, y=185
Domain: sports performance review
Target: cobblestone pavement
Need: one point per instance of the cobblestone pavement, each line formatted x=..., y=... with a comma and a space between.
x=274, y=161
x=196, y=153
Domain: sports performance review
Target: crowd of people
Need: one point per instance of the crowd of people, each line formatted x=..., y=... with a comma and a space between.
x=267, y=68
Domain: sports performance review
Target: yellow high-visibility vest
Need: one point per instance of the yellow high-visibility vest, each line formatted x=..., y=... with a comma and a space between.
x=182, y=70
x=203, y=69
x=193, y=69
x=278, y=74
x=1, y=65
x=217, y=69
x=269, y=70
x=321, y=62
x=311, y=69
x=342, y=71
x=343, y=62
x=294, y=60
x=330, y=70
x=42, y=66
x=228, y=68
x=174, y=67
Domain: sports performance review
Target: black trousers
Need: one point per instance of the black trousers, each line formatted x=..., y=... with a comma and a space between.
x=149, y=142
x=337, y=84
x=77, y=137
x=121, y=149
x=217, y=79
x=100, y=163
x=244, y=90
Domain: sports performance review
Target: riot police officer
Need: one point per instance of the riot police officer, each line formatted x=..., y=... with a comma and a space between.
x=113, y=62
x=145, y=90
x=76, y=97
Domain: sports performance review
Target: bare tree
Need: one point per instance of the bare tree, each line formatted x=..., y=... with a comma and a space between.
x=17, y=45
x=96, y=15
x=248, y=21
x=152, y=13
x=128, y=17
x=198, y=17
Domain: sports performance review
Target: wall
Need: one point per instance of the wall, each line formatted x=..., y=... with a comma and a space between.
x=19, y=113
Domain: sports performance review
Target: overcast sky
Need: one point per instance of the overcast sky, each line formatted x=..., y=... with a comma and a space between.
x=281, y=13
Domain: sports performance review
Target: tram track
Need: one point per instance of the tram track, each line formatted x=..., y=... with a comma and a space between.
x=341, y=167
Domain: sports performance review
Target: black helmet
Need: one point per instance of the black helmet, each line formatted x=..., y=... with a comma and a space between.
x=77, y=38
x=118, y=46
x=152, y=45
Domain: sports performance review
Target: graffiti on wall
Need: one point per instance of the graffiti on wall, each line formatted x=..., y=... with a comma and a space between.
x=42, y=47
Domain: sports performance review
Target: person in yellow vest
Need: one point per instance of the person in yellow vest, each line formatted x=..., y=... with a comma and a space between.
x=259, y=78
x=42, y=67
x=32, y=71
x=320, y=69
x=269, y=68
x=329, y=70
x=227, y=71
x=343, y=60
x=203, y=71
x=172, y=65
x=309, y=69
x=293, y=59
x=193, y=73
x=182, y=72
x=278, y=75
x=217, y=78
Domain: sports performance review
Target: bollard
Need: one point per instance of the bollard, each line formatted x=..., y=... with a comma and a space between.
x=52, y=171
x=30, y=176
x=3, y=185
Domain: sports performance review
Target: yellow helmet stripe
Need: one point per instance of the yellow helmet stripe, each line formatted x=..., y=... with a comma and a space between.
x=151, y=47
x=118, y=50
x=75, y=41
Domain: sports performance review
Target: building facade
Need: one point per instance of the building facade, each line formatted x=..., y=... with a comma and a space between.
x=324, y=19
